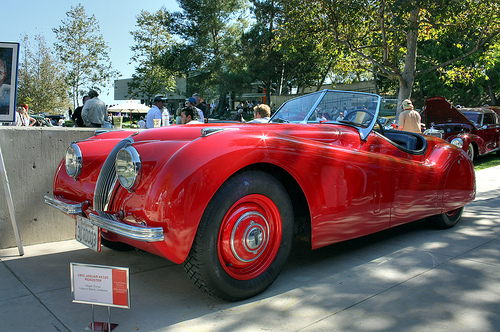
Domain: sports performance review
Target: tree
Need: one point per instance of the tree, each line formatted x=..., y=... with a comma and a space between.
x=473, y=81
x=83, y=50
x=40, y=78
x=152, y=40
x=209, y=56
x=385, y=34
x=264, y=63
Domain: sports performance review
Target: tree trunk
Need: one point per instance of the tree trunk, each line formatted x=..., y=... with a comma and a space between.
x=493, y=98
x=407, y=77
x=268, y=93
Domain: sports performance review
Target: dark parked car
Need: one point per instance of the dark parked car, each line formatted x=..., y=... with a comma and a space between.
x=475, y=130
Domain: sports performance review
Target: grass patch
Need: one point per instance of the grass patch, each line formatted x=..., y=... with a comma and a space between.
x=490, y=160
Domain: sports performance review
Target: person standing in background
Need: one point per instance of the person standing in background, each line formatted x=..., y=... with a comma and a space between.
x=200, y=104
x=409, y=119
x=192, y=102
x=76, y=118
x=156, y=111
x=94, y=112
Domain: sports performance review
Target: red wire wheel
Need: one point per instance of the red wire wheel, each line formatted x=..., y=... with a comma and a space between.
x=249, y=237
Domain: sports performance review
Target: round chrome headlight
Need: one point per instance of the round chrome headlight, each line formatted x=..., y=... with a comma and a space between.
x=128, y=167
x=73, y=160
x=458, y=142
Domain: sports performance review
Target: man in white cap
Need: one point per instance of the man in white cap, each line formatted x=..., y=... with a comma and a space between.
x=409, y=119
x=156, y=111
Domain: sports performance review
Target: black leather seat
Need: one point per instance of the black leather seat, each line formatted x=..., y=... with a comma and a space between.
x=405, y=140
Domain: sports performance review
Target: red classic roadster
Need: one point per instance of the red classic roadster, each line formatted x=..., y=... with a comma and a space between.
x=226, y=199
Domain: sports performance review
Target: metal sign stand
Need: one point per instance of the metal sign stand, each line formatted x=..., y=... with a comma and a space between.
x=101, y=326
x=10, y=204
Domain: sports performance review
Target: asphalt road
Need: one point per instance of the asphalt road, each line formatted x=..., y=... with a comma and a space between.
x=411, y=278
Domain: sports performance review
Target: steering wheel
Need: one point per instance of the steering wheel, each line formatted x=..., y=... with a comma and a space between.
x=382, y=130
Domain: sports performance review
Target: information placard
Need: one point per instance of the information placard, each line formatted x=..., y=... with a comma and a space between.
x=100, y=285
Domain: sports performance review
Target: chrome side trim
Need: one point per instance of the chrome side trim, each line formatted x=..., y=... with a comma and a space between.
x=110, y=222
x=64, y=207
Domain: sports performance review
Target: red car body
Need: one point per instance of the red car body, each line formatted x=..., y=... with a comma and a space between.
x=475, y=130
x=254, y=186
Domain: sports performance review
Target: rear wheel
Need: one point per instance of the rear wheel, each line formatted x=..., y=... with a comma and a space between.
x=243, y=239
x=446, y=220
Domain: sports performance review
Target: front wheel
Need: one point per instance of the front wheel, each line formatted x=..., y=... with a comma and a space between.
x=446, y=220
x=243, y=239
x=470, y=151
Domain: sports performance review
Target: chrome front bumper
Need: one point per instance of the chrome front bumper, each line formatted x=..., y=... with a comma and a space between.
x=70, y=209
x=109, y=222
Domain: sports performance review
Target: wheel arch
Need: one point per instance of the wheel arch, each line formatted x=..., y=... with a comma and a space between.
x=302, y=216
x=475, y=145
x=459, y=186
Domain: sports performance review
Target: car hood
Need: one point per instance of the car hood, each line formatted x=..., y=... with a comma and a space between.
x=439, y=111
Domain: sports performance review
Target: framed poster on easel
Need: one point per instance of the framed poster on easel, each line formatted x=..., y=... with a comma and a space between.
x=9, y=56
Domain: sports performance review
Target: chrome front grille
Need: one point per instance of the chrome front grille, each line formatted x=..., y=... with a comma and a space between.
x=435, y=134
x=107, y=178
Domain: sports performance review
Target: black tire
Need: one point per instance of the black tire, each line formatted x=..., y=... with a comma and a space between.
x=118, y=246
x=470, y=151
x=244, y=237
x=446, y=220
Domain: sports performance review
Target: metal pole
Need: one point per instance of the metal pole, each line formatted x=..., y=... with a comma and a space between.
x=93, y=320
x=10, y=205
x=109, y=319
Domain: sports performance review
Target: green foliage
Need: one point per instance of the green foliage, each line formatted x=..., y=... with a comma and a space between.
x=41, y=82
x=397, y=39
x=263, y=63
x=83, y=50
x=152, y=42
x=209, y=31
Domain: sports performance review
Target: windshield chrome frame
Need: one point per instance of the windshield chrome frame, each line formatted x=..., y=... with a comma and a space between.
x=363, y=132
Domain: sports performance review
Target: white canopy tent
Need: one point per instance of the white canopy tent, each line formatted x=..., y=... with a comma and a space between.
x=129, y=107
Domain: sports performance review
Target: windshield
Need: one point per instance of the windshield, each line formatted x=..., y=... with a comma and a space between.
x=346, y=107
x=477, y=118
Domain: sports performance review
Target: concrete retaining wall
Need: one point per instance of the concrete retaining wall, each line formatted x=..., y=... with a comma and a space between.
x=31, y=156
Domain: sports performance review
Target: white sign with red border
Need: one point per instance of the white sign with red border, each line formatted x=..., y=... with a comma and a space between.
x=100, y=285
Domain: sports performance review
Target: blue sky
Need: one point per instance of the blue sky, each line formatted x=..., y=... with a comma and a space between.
x=116, y=19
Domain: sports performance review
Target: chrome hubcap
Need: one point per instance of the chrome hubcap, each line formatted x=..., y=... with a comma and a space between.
x=253, y=239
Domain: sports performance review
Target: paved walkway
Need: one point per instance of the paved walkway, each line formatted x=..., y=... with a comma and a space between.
x=412, y=278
